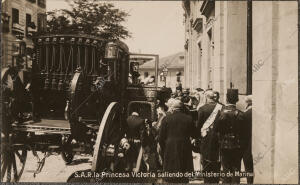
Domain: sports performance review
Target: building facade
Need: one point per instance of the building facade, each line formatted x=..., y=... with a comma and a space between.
x=251, y=46
x=20, y=17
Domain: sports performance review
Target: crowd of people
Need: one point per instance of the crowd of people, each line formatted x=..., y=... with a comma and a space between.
x=219, y=132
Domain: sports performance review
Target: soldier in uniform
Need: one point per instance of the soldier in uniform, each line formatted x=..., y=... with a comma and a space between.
x=209, y=147
x=229, y=126
x=135, y=126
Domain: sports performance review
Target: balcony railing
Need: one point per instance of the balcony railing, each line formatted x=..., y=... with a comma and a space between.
x=206, y=7
x=197, y=24
x=17, y=29
x=31, y=30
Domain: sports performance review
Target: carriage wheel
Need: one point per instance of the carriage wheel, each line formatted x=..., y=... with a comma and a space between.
x=67, y=155
x=13, y=156
x=74, y=96
x=7, y=97
x=107, y=134
x=13, y=159
x=77, y=101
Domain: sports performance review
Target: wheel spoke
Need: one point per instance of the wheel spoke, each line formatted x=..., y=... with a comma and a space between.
x=104, y=136
x=8, y=174
x=10, y=165
x=3, y=167
x=112, y=117
x=21, y=158
x=15, y=168
x=2, y=158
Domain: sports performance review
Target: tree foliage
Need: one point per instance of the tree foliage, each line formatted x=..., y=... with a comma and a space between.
x=89, y=17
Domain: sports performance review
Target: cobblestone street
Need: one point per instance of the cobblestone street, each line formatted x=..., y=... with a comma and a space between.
x=55, y=169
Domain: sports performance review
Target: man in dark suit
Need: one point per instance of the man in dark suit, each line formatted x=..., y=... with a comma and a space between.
x=247, y=139
x=174, y=140
x=209, y=148
x=230, y=128
x=135, y=126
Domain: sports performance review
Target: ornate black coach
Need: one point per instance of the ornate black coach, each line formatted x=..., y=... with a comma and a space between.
x=74, y=99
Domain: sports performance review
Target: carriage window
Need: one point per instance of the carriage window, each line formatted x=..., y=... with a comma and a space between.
x=147, y=67
x=134, y=74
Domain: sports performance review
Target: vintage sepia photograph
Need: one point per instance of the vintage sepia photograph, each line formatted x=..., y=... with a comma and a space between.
x=132, y=91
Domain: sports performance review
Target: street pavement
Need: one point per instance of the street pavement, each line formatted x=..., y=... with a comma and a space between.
x=55, y=169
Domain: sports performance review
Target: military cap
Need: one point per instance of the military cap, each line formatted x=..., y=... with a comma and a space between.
x=199, y=89
x=232, y=95
x=179, y=88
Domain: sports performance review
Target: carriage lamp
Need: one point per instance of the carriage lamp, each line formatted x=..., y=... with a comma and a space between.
x=178, y=74
x=162, y=78
x=165, y=73
x=111, y=51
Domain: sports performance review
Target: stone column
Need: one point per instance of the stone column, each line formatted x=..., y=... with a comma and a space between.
x=236, y=44
x=218, y=68
x=275, y=125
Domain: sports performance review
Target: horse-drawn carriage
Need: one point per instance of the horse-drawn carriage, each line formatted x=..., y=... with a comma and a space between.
x=74, y=99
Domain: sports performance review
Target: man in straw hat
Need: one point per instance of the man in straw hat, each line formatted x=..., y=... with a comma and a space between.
x=174, y=140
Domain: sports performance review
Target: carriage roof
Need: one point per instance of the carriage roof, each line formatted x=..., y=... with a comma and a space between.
x=116, y=42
